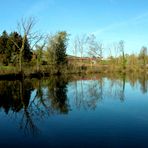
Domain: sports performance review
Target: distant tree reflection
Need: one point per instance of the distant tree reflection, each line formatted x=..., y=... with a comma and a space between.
x=88, y=93
x=144, y=83
x=121, y=94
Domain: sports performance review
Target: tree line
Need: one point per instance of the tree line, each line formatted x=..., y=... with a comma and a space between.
x=26, y=47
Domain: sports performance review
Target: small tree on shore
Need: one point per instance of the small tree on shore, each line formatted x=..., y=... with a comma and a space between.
x=121, y=48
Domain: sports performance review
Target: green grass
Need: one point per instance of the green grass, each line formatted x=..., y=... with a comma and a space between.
x=7, y=68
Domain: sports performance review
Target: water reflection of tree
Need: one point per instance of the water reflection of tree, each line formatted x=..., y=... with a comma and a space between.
x=88, y=93
x=116, y=87
x=9, y=100
x=121, y=94
x=144, y=83
x=95, y=92
x=27, y=123
x=14, y=95
x=49, y=97
x=14, y=98
x=57, y=92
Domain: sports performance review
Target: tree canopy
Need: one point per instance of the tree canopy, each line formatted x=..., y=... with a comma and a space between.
x=9, y=48
x=57, y=48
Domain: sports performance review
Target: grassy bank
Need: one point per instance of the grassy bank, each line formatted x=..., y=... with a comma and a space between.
x=46, y=70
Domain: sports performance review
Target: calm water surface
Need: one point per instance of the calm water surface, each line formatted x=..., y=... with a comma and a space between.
x=96, y=111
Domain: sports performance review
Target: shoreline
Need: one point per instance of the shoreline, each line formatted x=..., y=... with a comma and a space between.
x=39, y=75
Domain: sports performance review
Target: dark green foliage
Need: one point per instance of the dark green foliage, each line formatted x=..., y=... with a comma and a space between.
x=3, y=48
x=14, y=41
x=3, y=42
x=27, y=54
x=10, y=48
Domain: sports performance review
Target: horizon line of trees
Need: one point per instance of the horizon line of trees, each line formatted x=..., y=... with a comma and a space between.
x=24, y=47
x=9, y=51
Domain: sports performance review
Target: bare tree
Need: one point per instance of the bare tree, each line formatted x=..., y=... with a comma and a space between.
x=121, y=48
x=80, y=42
x=39, y=53
x=25, y=28
x=114, y=53
x=95, y=48
x=75, y=46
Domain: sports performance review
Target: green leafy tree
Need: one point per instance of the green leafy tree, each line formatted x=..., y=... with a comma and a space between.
x=57, y=48
x=10, y=48
x=3, y=42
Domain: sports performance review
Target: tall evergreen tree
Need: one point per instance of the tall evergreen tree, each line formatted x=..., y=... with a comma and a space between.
x=3, y=49
x=10, y=48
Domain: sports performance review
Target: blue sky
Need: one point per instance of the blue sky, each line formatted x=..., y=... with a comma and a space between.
x=109, y=20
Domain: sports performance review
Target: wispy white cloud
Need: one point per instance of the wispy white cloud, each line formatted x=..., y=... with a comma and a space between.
x=39, y=6
x=140, y=17
x=135, y=20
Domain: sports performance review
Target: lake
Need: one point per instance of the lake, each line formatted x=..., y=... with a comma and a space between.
x=75, y=111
